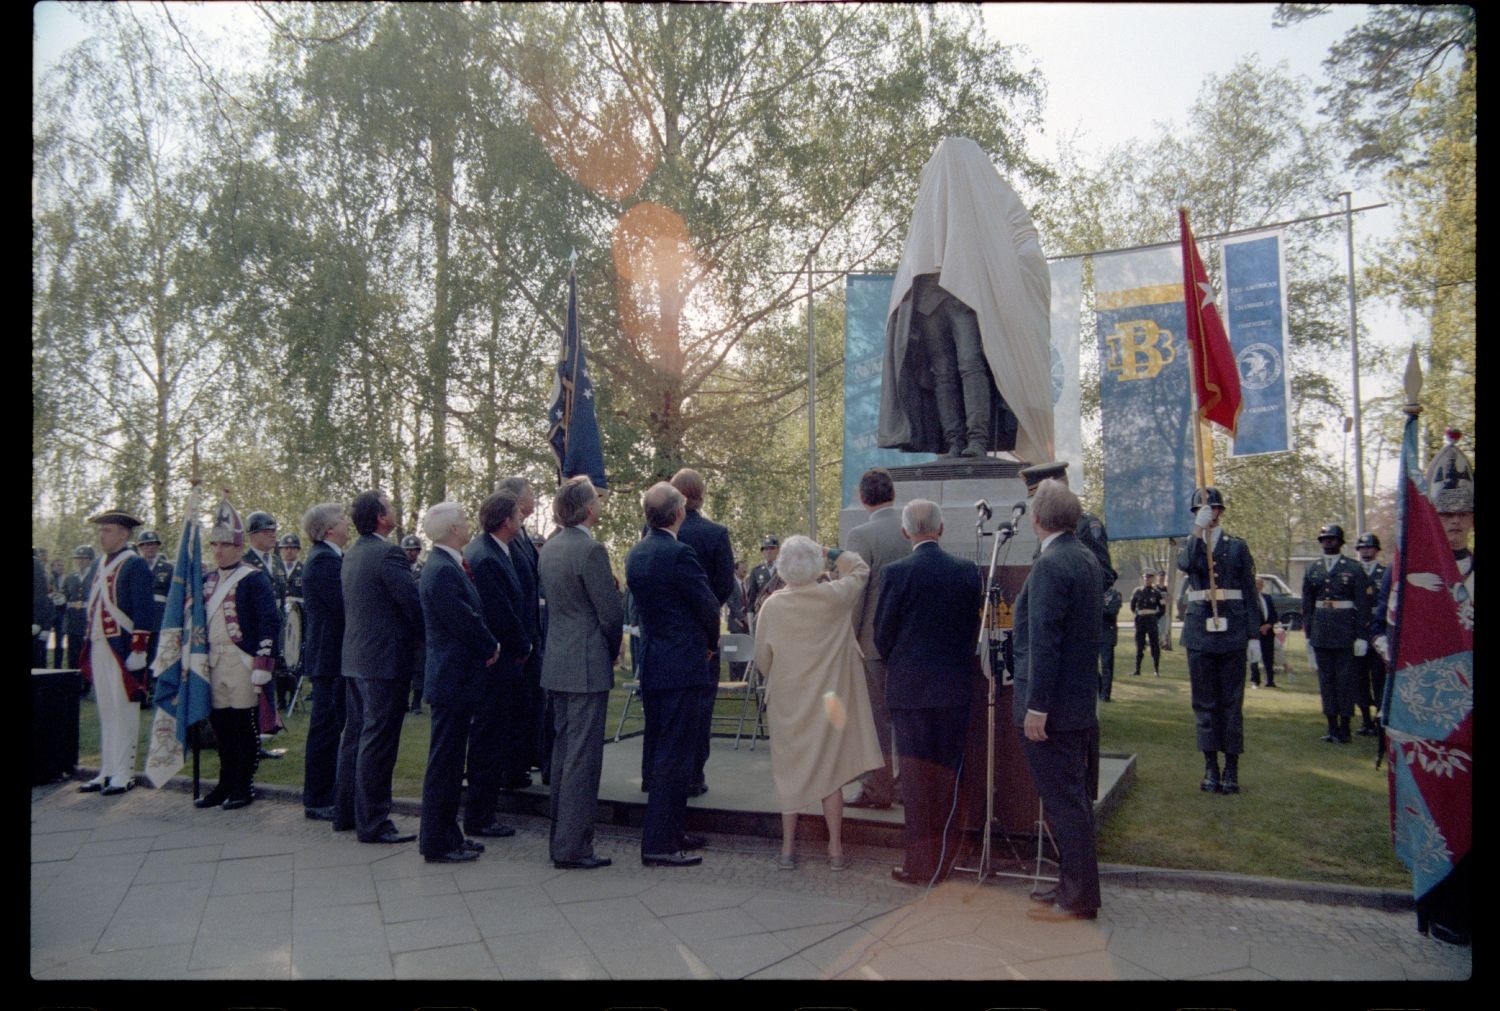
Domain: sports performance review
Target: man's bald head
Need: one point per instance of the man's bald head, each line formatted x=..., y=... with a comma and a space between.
x=663, y=505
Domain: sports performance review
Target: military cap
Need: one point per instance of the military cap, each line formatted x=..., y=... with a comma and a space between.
x=1039, y=472
x=83, y=551
x=289, y=541
x=118, y=517
x=259, y=520
x=1368, y=541
x=1331, y=530
x=411, y=542
x=1450, y=478
x=1201, y=497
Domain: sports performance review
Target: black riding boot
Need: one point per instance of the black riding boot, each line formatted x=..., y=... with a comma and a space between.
x=247, y=748
x=216, y=796
x=1231, y=781
x=1210, y=782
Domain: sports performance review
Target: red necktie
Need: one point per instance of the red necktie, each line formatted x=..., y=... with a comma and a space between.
x=467, y=571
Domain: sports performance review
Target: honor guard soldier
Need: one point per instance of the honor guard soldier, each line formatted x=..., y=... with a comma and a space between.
x=1146, y=604
x=412, y=545
x=1216, y=632
x=762, y=576
x=1090, y=527
x=57, y=579
x=76, y=589
x=1336, y=614
x=260, y=531
x=118, y=616
x=286, y=576
x=1371, y=677
x=148, y=545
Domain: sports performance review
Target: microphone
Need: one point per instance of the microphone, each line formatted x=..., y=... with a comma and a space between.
x=1007, y=530
x=983, y=508
x=1017, y=511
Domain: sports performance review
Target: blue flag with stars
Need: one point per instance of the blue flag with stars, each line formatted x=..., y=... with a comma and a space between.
x=574, y=431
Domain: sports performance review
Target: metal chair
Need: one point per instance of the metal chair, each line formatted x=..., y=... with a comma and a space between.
x=737, y=648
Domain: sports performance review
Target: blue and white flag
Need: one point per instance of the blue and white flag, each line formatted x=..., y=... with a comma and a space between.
x=866, y=298
x=183, y=696
x=1255, y=297
x=574, y=431
x=1144, y=393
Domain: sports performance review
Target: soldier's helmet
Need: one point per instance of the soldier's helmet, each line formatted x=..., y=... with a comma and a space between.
x=1209, y=496
x=1333, y=530
x=1450, y=478
x=769, y=542
x=1368, y=541
x=289, y=541
x=259, y=520
x=411, y=542
x=83, y=551
x=147, y=537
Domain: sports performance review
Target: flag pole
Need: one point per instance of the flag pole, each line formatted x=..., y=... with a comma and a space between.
x=1201, y=464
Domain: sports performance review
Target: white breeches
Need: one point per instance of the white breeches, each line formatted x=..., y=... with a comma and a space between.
x=119, y=718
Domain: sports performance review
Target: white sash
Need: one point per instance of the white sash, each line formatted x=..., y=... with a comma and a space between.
x=97, y=594
x=221, y=592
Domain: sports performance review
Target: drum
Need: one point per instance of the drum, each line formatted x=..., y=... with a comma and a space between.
x=291, y=635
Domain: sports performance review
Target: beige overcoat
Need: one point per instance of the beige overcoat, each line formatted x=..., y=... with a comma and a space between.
x=822, y=732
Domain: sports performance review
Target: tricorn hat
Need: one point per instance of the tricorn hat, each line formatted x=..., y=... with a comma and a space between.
x=227, y=528
x=1039, y=472
x=117, y=516
x=1450, y=479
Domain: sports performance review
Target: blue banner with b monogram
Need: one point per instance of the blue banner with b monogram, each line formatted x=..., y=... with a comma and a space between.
x=1144, y=395
x=866, y=299
x=1255, y=296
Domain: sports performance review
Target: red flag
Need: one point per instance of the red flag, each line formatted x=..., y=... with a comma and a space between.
x=1216, y=377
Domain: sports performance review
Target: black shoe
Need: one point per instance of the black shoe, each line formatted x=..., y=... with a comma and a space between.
x=115, y=791
x=213, y=798
x=1230, y=783
x=1368, y=730
x=235, y=803
x=864, y=800
x=1058, y=914
x=494, y=830
x=1329, y=738
x=458, y=856
x=586, y=864
x=678, y=859
x=692, y=841
x=1045, y=898
x=391, y=837
x=899, y=873
x=1344, y=738
x=318, y=813
x=92, y=787
x=520, y=782
x=271, y=754
x=1438, y=932
x=473, y=844
x=1210, y=782
x=697, y=790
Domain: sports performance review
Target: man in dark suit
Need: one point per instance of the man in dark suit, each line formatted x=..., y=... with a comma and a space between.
x=461, y=655
x=926, y=627
x=529, y=716
x=585, y=619
x=679, y=620
x=382, y=619
x=710, y=541
x=1056, y=643
x=1336, y=616
x=322, y=653
x=1216, y=631
x=879, y=542
x=498, y=748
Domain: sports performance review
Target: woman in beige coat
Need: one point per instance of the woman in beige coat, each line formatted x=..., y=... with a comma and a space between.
x=822, y=730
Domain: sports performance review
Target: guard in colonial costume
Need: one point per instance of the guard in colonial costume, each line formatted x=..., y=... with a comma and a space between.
x=118, y=619
x=240, y=605
x=1216, y=632
x=1371, y=676
x=1336, y=615
x=148, y=544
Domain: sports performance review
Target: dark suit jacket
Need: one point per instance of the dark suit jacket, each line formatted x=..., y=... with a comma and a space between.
x=926, y=628
x=676, y=609
x=458, y=643
x=323, y=603
x=710, y=541
x=382, y=614
x=502, y=601
x=1057, y=637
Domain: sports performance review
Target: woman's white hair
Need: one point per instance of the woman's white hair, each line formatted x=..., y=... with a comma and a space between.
x=441, y=518
x=800, y=561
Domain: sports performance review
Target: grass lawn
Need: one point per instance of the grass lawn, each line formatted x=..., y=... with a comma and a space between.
x=1307, y=810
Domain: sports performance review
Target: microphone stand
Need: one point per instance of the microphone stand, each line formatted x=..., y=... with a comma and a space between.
x=1002, y=536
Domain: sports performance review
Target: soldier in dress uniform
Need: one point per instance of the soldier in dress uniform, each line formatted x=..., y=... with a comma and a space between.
x=260, y=552
x=1216, y=632
x=1336, y=608
x=1370, y=679
x=76, y=589
x=286, y=577
x=412, y=545
x=1108, y=638
x=763, y=574
x=57, y=578
x=117, y=613
x=1146, y=604
x=148, y=545
x=1090, y=527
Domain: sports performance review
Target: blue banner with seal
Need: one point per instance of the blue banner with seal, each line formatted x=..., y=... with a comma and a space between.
x=1256, y=316
x=866, y=299
x=1145, y=403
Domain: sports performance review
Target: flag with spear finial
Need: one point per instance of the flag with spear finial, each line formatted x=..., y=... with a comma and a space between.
x=574, y=427
x=183, y=696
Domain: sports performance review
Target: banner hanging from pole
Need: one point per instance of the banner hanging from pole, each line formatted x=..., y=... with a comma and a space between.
x=1256, y=313
x=1144, y=393
x=574, y=427
x=866, y=298
x=1067, y=411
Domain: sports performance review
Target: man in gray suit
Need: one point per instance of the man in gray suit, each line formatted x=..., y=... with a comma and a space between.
x=382, y=621
x=878, y=541
x=585, y=618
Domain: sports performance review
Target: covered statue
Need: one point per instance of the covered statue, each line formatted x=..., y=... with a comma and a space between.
x=968, y=332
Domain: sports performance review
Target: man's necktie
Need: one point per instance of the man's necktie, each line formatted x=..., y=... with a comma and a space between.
x=467, y=571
